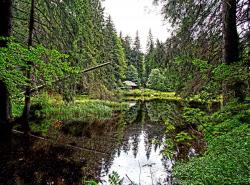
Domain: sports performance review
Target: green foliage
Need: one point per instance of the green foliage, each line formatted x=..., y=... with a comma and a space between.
x=194, y=115
x=55, y=110
x=226, y=160
x=91, y=182
x=114, y=179
x=48, y=65
x=169, y=126
x=156, y=80
x=79, y=29
x=17, y=107
x=203, y=66
x=193, y=52
x=231, y=72
x=100, y=91
x=88, y=182
x=170, y=150
x=148, y=94
x=120, y=54
x=183, y=137
x=114, y=53
x=134, y=58
x=163, y=80
x=11, y=63
x=132, y=74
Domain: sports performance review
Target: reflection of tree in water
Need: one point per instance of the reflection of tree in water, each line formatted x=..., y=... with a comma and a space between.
x=135, y=143
x=126, y=145
x=107, y=162
x=165, y=111
x=171, y=114
x=120, y=134
x=42, y=164
x=141, y=123
x=147, y=144
x=133, y=115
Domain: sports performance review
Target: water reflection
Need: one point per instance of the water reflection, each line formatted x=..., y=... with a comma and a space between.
x=131, y=143
x=145, y=165
x=42, y=163
x=139, y=157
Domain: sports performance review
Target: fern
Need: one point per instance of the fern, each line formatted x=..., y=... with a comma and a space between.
x=114, y=179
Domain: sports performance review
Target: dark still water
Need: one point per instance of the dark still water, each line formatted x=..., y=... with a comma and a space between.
x=134, y=144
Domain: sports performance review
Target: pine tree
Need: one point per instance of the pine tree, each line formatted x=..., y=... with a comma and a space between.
x=137, y=57
x=149, y=58
x=150, y=42
x=132, y=74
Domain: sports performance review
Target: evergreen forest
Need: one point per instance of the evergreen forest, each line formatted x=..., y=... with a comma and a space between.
x=83, y=103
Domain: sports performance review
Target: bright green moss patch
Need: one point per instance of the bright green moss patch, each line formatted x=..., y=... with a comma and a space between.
x=148, y=94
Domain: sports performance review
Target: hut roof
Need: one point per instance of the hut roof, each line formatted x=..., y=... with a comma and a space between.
x=130, y=83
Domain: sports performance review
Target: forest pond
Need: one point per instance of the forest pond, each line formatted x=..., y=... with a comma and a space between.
x=134, y=144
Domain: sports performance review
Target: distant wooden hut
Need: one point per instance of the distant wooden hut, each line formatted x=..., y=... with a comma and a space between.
x=130, y=84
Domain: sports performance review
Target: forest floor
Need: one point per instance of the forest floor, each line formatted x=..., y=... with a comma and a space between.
x=226, y=160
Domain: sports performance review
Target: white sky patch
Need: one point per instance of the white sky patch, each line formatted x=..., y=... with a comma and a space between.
x=132, y=15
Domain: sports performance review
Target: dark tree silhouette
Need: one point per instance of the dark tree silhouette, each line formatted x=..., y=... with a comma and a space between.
x=5, y=31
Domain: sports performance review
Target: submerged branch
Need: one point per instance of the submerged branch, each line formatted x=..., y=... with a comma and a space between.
x=66, y=145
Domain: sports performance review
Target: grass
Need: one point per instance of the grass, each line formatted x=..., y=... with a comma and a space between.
x=147, y=94
x=226, y=160
x=114, y=105
x=55, y=110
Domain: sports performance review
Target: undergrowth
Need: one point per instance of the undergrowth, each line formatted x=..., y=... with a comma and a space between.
x=54, y=110
x=226, y=160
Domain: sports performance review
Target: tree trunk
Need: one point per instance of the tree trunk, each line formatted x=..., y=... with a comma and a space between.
x=230, y=48
x=5, y=112
x=26, y=110
x=5, y=106
x=230, y=34
x=5, y=31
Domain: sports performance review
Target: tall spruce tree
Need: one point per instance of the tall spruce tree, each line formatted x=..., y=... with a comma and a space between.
x=149, y=58
x=137, y=57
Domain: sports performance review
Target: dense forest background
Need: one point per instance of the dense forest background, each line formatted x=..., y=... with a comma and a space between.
x=187, y=62
x=52, y=42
